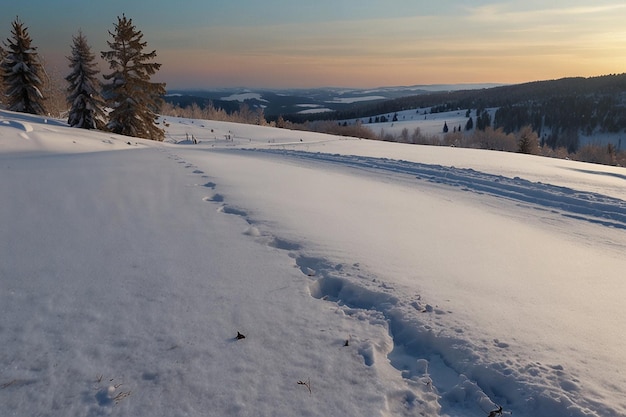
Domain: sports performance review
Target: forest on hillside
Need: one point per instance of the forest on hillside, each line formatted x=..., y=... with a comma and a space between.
x=557, y=110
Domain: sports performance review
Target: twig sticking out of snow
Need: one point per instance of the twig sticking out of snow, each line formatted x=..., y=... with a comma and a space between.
x=306, y=384
x=496, y=413
x=120, y=396
x=8, y=384
x=110, y=394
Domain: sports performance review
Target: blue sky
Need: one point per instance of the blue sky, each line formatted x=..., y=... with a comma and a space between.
x=346, y=43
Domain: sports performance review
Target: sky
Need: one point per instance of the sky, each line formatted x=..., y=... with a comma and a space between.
x=345, y=43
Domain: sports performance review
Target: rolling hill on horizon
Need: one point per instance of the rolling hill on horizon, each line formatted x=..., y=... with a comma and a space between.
x=565, y=113
x=306, y=101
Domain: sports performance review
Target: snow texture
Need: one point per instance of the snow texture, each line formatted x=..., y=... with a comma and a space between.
x=368, y=278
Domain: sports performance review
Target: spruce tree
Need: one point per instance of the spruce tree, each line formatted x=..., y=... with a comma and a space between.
x=22, y=72
x=86, y=105
x=134, y=100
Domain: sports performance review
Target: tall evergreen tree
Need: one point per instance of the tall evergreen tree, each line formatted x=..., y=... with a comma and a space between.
x=22, y=72
x=134, y=100
x=84, y=89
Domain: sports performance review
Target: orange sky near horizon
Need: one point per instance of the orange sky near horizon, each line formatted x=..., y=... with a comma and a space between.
x=282, y=44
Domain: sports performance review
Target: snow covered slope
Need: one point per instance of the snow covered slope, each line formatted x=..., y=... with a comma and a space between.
x=369, y=278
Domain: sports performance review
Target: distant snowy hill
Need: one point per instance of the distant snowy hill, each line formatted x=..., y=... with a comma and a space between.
x=269, y=272
x=565, y=113
x=290, y=101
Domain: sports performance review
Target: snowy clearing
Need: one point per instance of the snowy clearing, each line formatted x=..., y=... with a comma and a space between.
x=315, y=110
x=368, y=278
x=243, y=97
x=357, y=99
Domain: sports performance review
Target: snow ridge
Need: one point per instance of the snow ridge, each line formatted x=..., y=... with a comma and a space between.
x=583, y=205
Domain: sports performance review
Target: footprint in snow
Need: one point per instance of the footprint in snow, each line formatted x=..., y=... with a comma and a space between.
x=284, y=244
x=232, y=210
x=216, y=198
x=501, y=345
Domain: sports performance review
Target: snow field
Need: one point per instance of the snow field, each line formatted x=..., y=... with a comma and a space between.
x=126, y=276
x=96, y=308
x=501, y=286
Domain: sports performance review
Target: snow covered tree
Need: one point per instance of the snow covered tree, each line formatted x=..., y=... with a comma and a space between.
x=134, y=100
x=22, y=73
x=84, y=89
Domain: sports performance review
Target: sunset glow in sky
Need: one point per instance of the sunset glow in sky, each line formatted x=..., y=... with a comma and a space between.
x=343, y=43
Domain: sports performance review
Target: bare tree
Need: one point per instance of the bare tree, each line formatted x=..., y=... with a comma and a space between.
x=54, y=91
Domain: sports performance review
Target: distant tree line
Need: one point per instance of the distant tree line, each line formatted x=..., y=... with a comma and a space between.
x=187, y=100
x=126, y=102
x=606, y=85
x=559, y=120
x=558, y=110
x=243, y=114
x=525, y=140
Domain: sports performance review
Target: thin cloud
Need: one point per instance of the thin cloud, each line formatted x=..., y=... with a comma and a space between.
x=506, y=12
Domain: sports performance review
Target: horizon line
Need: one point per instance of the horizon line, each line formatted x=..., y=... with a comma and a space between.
x=489, y=84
